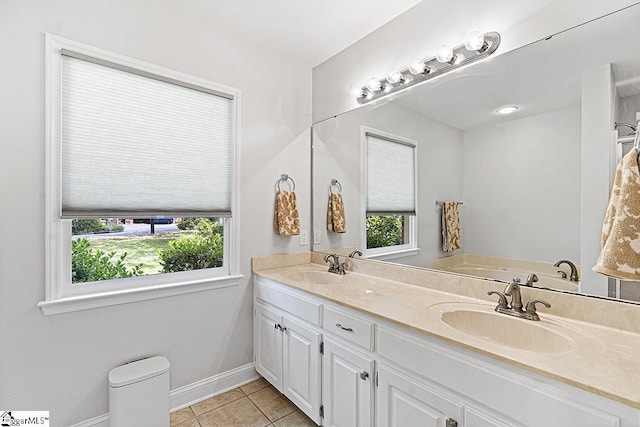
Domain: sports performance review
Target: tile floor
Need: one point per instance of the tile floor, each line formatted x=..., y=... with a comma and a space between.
x=256, y=404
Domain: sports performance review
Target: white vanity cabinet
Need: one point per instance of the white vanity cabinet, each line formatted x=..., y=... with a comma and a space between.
x=375, y=373
x=348, y=368
x=267, y=343
x=287, y=354
x=405, y=401
x=347, y=386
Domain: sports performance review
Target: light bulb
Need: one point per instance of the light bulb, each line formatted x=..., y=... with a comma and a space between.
x=394, y=76
x=475, y=41
x=444, y=53
x=417, y=66
x=457, y=58
x=508, y=109
x=357, y=92
x=374, y=84
x=407, y=79
x=369, y=95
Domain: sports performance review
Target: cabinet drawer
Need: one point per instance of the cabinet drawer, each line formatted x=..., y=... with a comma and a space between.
x=290, y=302
x=347, y=326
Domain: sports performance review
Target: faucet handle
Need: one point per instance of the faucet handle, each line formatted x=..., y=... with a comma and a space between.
x=342, y=268
x=516, y=280
x=530, y=310
x=502, y=302
x=562, y=274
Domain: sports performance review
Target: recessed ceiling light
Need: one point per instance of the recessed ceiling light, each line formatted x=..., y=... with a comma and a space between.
x=507, y=109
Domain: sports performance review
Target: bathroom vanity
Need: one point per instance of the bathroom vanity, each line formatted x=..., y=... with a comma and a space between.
x=385, y=345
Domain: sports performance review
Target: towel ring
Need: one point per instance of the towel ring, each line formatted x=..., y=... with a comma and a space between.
x=335, y=183
x=285, y=177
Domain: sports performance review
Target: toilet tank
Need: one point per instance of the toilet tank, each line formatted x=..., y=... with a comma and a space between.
x=139, y=394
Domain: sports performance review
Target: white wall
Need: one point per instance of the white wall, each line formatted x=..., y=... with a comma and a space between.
x=60, y=363
x=419, y=31
x=521, y=183
x=337, y=154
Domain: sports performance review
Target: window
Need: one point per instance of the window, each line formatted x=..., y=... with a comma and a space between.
x=390, y=193
x=141, y=177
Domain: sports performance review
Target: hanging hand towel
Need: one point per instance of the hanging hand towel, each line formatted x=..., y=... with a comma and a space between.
x=336, y=221
x=620, y=255
x=286, y=221
x=450, y=227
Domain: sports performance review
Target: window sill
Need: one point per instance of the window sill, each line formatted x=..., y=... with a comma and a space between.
x=394, y=254
x=104, y=299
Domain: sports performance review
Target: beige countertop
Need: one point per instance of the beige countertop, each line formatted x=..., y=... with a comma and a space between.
x=599, y=359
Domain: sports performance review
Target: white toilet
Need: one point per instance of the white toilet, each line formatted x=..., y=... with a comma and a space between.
x=139, y=394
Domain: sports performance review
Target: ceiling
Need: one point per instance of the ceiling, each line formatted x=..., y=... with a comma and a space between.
x=541, y=77
x=311, y=31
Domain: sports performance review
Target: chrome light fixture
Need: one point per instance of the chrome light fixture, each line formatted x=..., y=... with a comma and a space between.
x=476, y=48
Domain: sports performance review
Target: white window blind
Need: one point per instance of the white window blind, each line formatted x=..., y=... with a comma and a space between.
x=390, y=185
x=137, y=146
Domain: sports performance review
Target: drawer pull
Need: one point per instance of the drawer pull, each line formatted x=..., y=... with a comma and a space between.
x=364, y=375
x=343, y=328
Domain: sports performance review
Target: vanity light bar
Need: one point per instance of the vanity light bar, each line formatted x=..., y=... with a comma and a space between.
x=447, y=59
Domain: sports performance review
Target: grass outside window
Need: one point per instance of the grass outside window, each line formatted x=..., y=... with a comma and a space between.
x=97, y=256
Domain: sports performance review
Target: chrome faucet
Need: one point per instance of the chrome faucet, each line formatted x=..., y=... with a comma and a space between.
x=334, y=264
x=354, y=253
x=572, y=266
x=515, y=308
x=513, y=290
x=531, y=279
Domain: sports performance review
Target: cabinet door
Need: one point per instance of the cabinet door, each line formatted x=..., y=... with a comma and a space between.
x=301, y=367
x=267, y=344
x=347, y=386
x=404, y=402
x=476, y=418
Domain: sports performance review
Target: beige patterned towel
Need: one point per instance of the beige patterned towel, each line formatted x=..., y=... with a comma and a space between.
x=450, y=227
x=286, y=221
x=336, y=221
x=620, y=255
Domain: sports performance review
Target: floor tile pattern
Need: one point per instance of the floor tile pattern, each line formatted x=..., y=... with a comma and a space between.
x=256, y=404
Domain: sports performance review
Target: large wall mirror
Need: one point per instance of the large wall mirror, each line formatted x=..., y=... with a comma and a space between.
x=533, y=185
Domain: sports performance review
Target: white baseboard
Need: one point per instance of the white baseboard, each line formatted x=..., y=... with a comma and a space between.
x=100, y=421
x=194, y=392
x=212, y=386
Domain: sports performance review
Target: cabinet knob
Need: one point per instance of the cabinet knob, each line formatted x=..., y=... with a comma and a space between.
x=364, y=375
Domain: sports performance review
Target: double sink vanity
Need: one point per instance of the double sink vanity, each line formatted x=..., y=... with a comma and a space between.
x=391, y=345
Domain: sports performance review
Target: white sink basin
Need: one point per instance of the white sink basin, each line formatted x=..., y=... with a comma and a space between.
x=314, y=277
x=483, y=323
x=509, y=331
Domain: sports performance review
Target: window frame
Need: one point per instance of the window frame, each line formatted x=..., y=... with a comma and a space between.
x=397, y=251
x=60, y=294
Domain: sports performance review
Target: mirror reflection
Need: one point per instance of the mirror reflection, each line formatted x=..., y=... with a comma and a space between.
x=523, y=190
